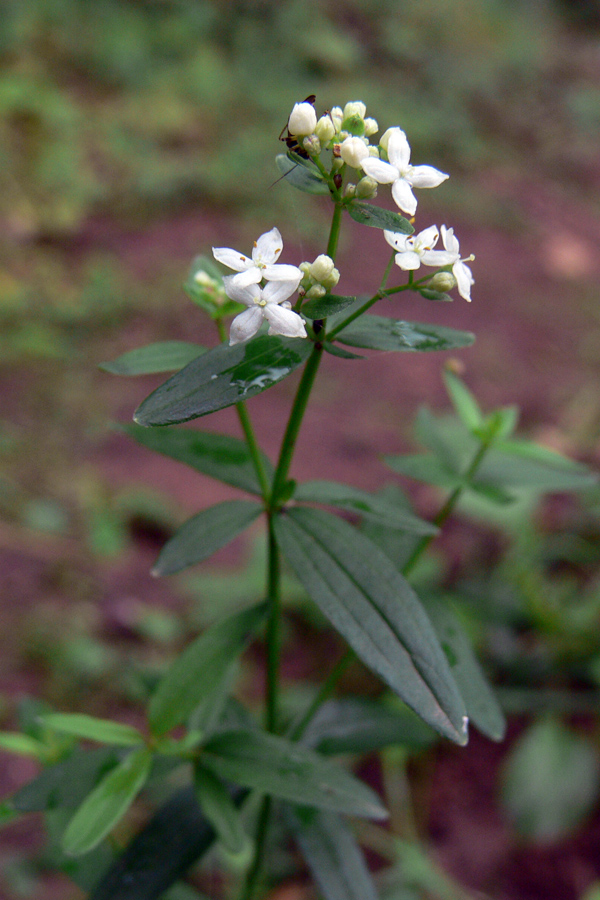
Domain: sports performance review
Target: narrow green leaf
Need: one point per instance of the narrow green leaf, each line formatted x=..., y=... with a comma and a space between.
x=464, y=402
x=354, y=725
x=221, y=377
x=108, y=803
x=204, y=534
x=367, y=600
x=372, y=506
x=164, y=356
x=333, y=855
x=217, y=455
x=429, y=431
x=299, y=176
x=483, y=708
x=378, y=333
x=377, y=217
x=339, y=351
x=424, y=467
x=90, y=728
x=325, y=306
x=199, y=667
x=220, y=810
x=287, y=770
x=66, y=783
x=21, y=744
x=520, y=464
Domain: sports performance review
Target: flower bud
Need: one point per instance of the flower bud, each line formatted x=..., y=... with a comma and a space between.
x=371, y=127
x=337, y=117
x=325, y=129
x=331, y=280
x=383, y=142
x=353, y=151
x=350, y=190
x=355, y=108
x=316, y=292
x=322, y=267
x=353, y=125
x=366, y=188
x=303, y=119
x=312, y=145
x=373, y=151
x=442, y=281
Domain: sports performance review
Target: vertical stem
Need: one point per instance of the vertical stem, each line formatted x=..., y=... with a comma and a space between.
x=334, y=231
x=273, y=630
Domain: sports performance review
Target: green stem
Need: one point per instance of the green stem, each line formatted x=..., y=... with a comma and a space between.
x=273, y=630
x=334, y=231
x=254, y=875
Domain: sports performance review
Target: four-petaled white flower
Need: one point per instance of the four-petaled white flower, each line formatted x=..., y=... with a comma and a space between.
x=268, y=302
x=418, y=248
x=400, y=174
x=263, y=263
x=462, y=272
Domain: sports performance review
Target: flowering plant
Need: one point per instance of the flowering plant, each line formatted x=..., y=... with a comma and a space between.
x=245, y=773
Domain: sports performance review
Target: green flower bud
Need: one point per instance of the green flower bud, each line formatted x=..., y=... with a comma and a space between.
x=316, y=291
x=325, y=129
x=366, y=188
x=354, y=125
x=371, y=127
x=312, y=145
x=322, y=267
x=355, y=108
x=350, y=190
x=331, y=280
x=442, y=282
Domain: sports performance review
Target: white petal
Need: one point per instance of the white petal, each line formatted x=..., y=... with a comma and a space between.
x=251, y=276
x=278, y=291
x=282, y=273
x=231, y=258
x=408, y=260
x=395, y=240
x=428, y=237
x=450, y=240
x=268, y=247
x=437, y=258
x=247, y=294
x=426, y=176
x=464, y=279
x=284, y=321
x=381, y=171
x=245, y=325
x=404, y=197
x=398, y=149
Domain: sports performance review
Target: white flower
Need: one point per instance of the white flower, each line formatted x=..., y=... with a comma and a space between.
x=303, y=119
x=263, y=303
x=355, y=108
x=399, y=173
x=462, y=273
x=418, y=248
x=262, y=265
x=353, y=151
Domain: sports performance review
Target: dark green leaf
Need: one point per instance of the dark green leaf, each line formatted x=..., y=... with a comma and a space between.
x=371, y=506
x=482, y=707
x=352, y=725
x=164, y=356
x=108, y=803
x=217, y=455
x=290, y=771
x=205, y=533
x=160, y=854
x=220, y=810
x=378, y=333
x=299, y=176
x=430, y=294
x=325, y=306
x=333, y=856
x=67, y=783
x=339, y=351
x=83, y=870
x=367, y=600
x=199, y=667
x=90, y=728
x=221, y=377
x=377, y=217
x=550, y=781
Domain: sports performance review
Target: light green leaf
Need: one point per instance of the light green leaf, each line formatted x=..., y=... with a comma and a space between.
x=108, y=803
x=203, y=664
x=21, y=744
x=464, y=402
x=164, y=356
x=217, y=455
x=287, y=770
x=367, y=600
x=424, y=467
x=521, y=464
x=90, y=728
x=378, y=217
x=300, y=176
x=371, y=506
x=220, y=810
x=204, y=534
x=221, y=377
x=333, y=855
x=378, y=333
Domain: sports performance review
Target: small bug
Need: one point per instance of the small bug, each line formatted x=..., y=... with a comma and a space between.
x=289, y=139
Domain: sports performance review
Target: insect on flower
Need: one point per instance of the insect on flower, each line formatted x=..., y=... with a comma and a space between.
x=290, y=140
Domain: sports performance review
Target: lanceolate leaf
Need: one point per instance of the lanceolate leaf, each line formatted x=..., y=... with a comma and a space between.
x=199, y=667
x=377, y=217
x=326, y=306
x=217, y=455
x=220, y=810
x=378, y=333
x=67, y=783
x=300, y=176
x=164, y=356
x=290, y=771
x=90, y=728
x=108, y=802
x=375, y=609
x=371, y=506
x=205, y=533
x=424, y=467
x=221, y=377
x=333, y=856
